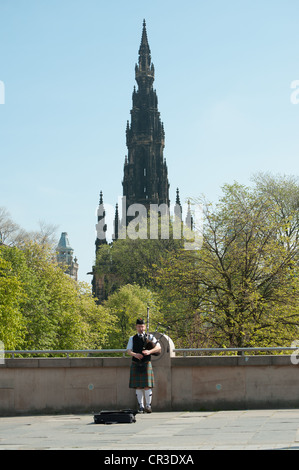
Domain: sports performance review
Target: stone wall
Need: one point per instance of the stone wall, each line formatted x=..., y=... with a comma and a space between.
x=72, y=385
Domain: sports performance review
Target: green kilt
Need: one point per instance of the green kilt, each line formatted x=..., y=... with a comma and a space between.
x=141, y=377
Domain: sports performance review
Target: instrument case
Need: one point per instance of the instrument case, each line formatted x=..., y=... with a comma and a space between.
x=115, y=416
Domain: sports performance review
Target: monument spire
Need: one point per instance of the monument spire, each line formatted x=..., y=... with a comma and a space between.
x=145, y=171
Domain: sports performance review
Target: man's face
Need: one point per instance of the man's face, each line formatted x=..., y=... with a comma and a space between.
x=140, y=329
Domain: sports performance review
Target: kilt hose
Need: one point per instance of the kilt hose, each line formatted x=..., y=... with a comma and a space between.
x=141, y=377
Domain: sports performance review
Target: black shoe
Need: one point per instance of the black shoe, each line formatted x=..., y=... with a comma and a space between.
x=140, y=409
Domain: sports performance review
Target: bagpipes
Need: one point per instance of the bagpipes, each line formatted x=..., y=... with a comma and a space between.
x=148, y=344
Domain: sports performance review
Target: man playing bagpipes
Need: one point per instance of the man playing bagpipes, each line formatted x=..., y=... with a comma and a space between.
x=140, y=347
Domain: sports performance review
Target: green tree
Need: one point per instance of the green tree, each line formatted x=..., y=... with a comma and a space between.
x=12, y=324
x=283, y=192
x=241, y=288
x=54, y=311
x=127, y=304
x=129, y=261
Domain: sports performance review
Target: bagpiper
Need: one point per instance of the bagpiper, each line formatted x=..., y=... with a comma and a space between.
x=141, y=346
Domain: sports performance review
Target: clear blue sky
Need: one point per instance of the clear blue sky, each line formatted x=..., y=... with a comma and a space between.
x=223, y=77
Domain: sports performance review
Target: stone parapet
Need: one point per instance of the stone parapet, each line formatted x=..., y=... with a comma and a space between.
x=89, y=384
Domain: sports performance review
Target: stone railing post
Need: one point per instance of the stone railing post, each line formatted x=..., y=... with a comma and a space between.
x=162, y=371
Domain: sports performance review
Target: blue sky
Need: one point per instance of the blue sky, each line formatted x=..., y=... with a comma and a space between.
x=223, y=78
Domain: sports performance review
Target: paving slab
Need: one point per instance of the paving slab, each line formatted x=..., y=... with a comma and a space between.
x=171, y=431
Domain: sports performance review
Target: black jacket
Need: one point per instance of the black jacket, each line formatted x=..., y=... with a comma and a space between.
x=138, y=347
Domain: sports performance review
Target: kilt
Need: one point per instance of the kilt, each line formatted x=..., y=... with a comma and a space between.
x=141, y=377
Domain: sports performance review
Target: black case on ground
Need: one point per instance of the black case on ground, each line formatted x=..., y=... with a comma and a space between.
x=115, y=416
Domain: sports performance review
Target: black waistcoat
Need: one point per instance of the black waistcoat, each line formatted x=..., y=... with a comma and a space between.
x=138, y=346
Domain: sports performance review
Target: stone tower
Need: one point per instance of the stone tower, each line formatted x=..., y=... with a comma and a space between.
x=145, y=179
x=145, y=171
x=65, y=256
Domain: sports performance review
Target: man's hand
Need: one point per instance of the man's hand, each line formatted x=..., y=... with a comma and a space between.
x=146, y=352
x=138, y=356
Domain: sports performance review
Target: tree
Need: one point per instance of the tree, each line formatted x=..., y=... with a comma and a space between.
x=127, y=304
x=241, y=288
x=283, y=192
x=8, y=228
x=132, y=261
x=12, y=234
x=12, y=325
x=48, y=309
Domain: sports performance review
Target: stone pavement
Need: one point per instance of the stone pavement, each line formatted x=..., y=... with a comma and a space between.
x=244, y=429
